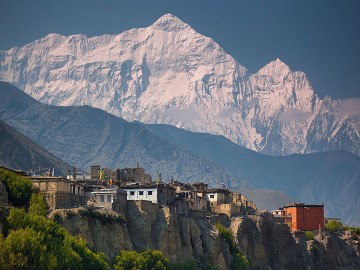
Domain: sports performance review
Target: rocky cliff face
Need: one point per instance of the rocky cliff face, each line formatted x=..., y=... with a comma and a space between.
x=168, y=73
x=271, y=246
x=149, y=226
x=266, y=244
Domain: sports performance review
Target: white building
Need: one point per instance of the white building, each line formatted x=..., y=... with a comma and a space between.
x=156, y=193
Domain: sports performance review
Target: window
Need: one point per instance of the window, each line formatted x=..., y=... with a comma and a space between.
x=132, y=193
x=101, y=198
x=149, y=193
x=109, y=198
x=141, y=193
x=212, y=196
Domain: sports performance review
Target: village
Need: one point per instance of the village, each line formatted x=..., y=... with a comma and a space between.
x=112, y=189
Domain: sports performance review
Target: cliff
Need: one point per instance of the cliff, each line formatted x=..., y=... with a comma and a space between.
x=266, y=244
x=149, y=226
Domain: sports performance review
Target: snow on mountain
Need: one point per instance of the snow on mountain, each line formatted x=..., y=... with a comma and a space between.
x=168, y=73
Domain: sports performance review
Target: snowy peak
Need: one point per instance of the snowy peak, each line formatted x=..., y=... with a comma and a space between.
x=169, y=22
x=168, y=73
x=274, y=69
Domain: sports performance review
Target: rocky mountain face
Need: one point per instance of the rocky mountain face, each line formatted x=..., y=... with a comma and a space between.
x=19, y=152
x=266, y=244
x=168, y=73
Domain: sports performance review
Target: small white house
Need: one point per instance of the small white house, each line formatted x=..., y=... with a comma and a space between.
x=156, y=193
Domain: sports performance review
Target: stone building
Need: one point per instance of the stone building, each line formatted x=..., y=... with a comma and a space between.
x=59, y=192
x=95, y=172
x=128, y=175
x=156, y=193
x=217, y=196
x=111, y=198
x=229, y=209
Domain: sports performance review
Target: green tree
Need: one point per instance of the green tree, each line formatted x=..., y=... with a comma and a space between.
x=309, y=235
x=46, y=244
x=147, y=260
x=334, y=226
x=37, y=205
x=23, y=249
x=239, y=261
x=18, y=187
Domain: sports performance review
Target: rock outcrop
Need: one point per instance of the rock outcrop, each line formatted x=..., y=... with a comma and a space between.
x=269, y=245
x=266, y=244
x=149, y=226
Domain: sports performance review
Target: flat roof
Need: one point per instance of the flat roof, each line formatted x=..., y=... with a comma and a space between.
x=147, y=185
x=302, y=205
x=217, y=190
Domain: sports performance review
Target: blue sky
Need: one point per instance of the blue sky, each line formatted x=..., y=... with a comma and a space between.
x=321, y=38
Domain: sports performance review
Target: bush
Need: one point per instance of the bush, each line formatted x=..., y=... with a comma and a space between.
x=147, y=260
x=309, y=235
x=355, y=229
x=240, y=262
x=58, y=218
x=334, y=226
x=18, y=187
x=37, y=205
x=35, y=242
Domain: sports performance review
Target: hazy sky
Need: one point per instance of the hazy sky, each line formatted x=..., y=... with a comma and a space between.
x=321, y=38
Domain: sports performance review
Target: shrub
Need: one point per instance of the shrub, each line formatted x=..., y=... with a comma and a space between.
x=35, y=242
x=58, y=218
x=309, y=235
x=240, y=261
x=356, y=229
x=37, y=205
x=334, y=226
x=147, y=260
x=18, y=187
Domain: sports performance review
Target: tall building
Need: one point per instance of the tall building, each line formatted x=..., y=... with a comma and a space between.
x=95, y=172
x=305, y=217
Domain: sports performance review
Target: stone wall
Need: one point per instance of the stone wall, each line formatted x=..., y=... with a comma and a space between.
x=57, y=193
x=229, y=209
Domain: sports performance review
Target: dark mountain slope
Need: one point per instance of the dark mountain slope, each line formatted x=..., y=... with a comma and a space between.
x=19, y=152
x=332, y=178
x=87, y=136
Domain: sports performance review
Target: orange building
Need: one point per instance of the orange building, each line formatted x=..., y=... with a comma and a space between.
x=305, y=217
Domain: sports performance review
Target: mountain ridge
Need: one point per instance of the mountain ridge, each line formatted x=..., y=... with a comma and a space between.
x=19, y=152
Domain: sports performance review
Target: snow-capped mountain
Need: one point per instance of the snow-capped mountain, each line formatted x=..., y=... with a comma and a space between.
x=168, y=73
